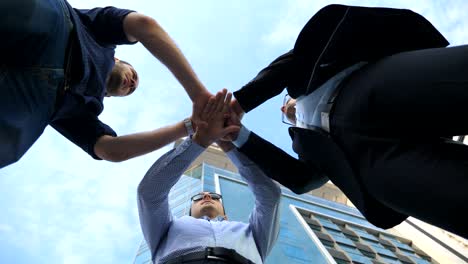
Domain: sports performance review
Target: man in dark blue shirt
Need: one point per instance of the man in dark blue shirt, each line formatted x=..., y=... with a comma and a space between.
x=57, y=64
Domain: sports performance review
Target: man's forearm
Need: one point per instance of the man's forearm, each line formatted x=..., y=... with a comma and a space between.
x=269, y=82
x=264, y=220
x=159, y=43
x=153, y=190
x=122, y=148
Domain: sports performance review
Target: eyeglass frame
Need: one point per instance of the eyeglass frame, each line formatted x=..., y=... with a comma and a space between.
x=192, y=201
x=284, y=119
x=203, y=195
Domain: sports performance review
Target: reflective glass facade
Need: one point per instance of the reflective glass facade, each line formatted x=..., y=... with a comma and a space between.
x=347, y=242
x=312, y=229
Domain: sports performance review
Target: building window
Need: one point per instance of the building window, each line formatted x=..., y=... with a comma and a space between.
x=347, y=242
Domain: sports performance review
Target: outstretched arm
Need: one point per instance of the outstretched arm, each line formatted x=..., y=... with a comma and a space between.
x=293, y=173
x=153, y=204
x=264, y=219
x=129, y=146
x=153, y=191
x=268, y=83
x=122, y=148
x=139, y=27
x=146, y=30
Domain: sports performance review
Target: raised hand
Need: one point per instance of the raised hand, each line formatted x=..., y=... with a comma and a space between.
x=199, y=104
x=236, y=108
x=212, y=120
x=231, y=119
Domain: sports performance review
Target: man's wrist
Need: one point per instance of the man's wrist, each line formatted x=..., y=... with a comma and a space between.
x=226, y=146
x=197, y=138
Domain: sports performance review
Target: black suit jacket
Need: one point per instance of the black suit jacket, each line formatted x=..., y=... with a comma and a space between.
x=335, y=38
x=319, y=160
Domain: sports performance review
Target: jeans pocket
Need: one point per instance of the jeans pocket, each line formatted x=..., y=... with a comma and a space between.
x=45, y=82
x=49, y=78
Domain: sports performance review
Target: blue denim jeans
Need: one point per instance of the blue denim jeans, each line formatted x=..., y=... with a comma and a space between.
x=35, y=35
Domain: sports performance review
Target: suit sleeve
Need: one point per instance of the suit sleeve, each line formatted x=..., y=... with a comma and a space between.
x=269, y=82
x=297, y=175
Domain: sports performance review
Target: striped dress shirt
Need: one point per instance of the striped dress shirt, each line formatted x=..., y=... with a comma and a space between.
x=168, y=238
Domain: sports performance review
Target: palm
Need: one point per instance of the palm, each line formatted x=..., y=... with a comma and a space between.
x=237, y=109
x=198, y=107
x=211, y=126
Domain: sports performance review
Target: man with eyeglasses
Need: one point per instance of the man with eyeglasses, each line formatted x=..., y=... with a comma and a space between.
x=376, y=95
x=206, y=235
x=56, y=66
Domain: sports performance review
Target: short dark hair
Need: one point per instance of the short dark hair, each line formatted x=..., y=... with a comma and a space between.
x=113, y=80
x=124, y=62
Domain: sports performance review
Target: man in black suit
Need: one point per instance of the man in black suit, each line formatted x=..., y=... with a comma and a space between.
x=379, y=91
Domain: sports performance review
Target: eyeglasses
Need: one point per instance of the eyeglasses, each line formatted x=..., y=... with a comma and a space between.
x=199, y=196
x=284, y=119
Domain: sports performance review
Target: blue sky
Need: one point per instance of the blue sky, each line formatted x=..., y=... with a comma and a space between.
x=60, y=206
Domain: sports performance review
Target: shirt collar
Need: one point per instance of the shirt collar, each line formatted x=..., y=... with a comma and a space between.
x=219, y=218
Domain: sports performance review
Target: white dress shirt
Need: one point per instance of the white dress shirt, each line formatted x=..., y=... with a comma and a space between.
x=168, y=238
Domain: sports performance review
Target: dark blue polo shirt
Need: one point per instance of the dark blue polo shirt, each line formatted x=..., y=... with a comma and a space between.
x=97, y=32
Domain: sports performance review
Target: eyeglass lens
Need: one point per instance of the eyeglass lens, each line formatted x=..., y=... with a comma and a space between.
x=200, y=196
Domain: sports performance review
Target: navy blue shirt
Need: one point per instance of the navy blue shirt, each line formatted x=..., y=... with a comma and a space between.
x=97, y=32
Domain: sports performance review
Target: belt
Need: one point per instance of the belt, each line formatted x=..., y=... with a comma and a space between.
x=212, y=253
x=325, y=115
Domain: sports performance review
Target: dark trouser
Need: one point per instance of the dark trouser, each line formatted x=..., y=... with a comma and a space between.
x=32, y=55
x=390, y=117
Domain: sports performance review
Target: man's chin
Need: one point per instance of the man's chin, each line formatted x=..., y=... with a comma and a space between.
x=208, y=208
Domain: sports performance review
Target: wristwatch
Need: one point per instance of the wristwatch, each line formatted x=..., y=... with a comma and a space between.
x=189, y=127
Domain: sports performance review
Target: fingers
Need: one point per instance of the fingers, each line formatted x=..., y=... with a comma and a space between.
x=208, y=110
x=199, y=104
x=220, y=100
x=230, y=130
x=202, y=125
x=217, y=106
x=217, y=109
x=235, y=106
x=226, y=105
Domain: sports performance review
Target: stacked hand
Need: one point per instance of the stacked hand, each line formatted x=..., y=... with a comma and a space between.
x=212, y=125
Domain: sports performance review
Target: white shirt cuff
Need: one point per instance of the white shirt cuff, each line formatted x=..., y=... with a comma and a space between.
x=243, y=136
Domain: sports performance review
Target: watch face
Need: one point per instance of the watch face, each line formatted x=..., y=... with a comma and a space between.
x=188, y=126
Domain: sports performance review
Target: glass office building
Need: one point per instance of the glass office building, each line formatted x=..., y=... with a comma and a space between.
x=312, y=229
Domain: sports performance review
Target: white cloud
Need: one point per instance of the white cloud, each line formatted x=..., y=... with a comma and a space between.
x=111, y=233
